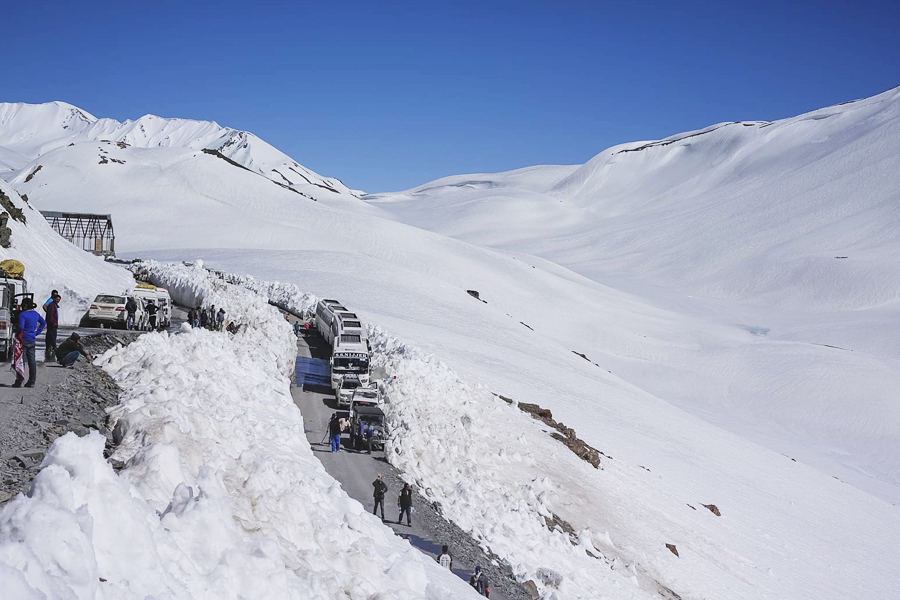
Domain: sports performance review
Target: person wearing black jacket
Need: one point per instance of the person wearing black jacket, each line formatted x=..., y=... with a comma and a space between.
x=152, y=309
x=404, y=502
x=69, y=351
x=52, y=310
x=479, y=581
x=131, y=309
x=334, y=428
x=381, y=489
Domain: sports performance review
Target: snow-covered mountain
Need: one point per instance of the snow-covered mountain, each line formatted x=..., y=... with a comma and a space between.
x=680, y=303
x=31, y=130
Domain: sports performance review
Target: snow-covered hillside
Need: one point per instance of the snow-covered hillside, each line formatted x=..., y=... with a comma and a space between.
x=690, y=276
x=31, y=130
x=53, y=263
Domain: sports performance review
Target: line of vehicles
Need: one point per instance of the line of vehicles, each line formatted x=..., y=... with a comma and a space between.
x=351, y=379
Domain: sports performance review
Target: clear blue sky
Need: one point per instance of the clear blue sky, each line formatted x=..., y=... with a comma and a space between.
x=388, y=95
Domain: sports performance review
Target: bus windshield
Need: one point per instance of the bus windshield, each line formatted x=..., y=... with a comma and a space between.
x=351, y=364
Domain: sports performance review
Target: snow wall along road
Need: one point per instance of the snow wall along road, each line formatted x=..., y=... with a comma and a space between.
x=221, y=496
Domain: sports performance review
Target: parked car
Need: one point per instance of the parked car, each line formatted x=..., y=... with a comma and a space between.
x=109, y=310
x=160, y=297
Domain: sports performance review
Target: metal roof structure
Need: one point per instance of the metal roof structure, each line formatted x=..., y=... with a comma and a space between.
x=94, y=233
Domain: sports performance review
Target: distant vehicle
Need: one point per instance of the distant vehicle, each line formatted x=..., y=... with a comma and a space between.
x=372, y=419
x=344, y=392
x=12, y=291
x=109, y=310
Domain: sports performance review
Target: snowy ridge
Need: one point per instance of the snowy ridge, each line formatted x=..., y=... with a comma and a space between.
x=221, y=496
x=28, y=131
x=53, y=263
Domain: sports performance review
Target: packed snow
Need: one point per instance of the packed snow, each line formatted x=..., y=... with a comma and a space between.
x=682, y=304
x=221, y=496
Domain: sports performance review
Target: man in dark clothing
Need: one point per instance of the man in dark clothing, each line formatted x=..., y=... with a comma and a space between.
x=31, y=324
x=404, y=502
x=131, y=309
x=479, y=581
x=69, y=351
x=334, y=428
x=52, y=310
x=53, y=294
x=381, y=489
x=152, y=309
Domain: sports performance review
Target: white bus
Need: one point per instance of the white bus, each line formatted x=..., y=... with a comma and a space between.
x=325, y=317
x=346, y=335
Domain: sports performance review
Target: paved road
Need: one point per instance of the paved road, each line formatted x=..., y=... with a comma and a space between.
x=357, y=470
x=179, y=316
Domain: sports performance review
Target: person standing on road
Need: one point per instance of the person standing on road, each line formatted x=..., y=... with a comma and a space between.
x=52, y=310
x=47, y=302
x=31, y=324
x=220, y=319
x=381, y=489
x=131, y=309
x=69, y=351
x=404, y=502
x=152, y=309
x=445, y=559
x=334, y=428
x=479, y=581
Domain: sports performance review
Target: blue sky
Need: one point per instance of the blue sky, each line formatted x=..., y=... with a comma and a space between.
x=389, y=95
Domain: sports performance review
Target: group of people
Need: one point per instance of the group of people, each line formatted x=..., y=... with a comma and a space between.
x=30, y=326
x=211, y=319
x=478, y=580
x=131, y=307
x=404, y=500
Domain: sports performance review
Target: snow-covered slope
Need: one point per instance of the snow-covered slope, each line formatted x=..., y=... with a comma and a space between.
x=695, y=388
x=31, y=130
x=53, y=263
x=750, y=211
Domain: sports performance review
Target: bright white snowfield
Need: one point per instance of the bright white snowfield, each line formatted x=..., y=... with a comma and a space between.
x=699, y=275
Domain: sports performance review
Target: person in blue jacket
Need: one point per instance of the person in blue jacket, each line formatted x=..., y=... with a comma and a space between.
x=31, y=324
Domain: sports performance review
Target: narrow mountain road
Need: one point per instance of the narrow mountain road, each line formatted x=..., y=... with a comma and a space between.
x=356, y=471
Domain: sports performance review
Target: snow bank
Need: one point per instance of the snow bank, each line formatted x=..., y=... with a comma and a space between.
x=221, y=496
x=53, y=263
x=468, y=452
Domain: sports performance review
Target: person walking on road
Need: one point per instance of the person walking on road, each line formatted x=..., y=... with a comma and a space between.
x=334, y=428
x=445, y=559
x=31, y=324
x=52, y=310
x=381, y=489
x=131, y=309
x=479, y=581
x=404, y=502
x=69, y=351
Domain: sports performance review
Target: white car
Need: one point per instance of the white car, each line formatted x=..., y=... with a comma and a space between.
x=109, y=310
x=344, y=391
